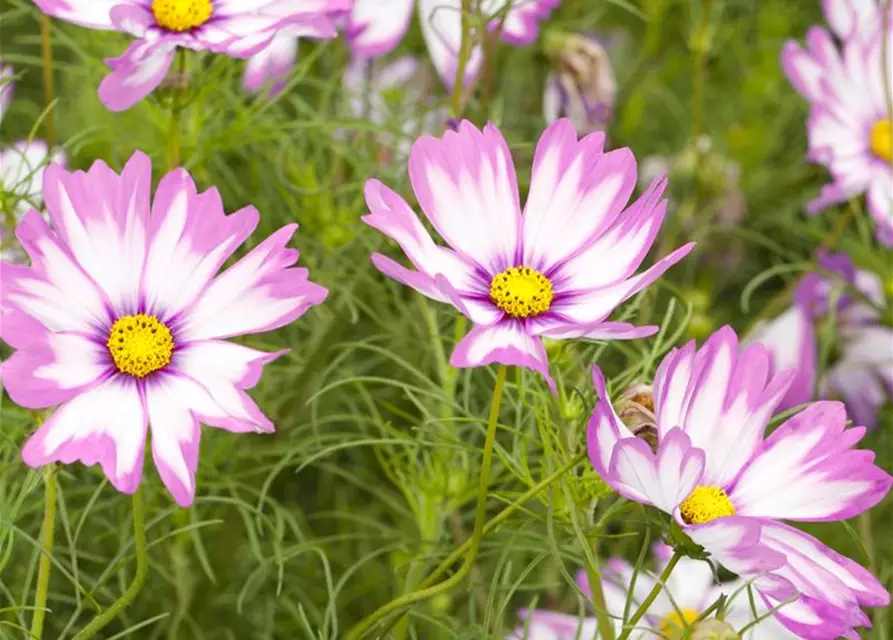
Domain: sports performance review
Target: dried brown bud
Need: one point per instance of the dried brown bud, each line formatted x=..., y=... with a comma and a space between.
x=636, y=408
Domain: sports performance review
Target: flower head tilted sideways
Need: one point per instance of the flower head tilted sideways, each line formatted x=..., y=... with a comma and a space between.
x=850, y=126
x=232, y=27
x=862, y=376
x=730, y=488
x=558, y=270
x=21, y=173
x=690, y=590
x=121, y=320
x=376, y=27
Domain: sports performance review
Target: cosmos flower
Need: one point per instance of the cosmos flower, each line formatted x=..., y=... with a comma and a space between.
x=271, y=66
x=862, y=375
x=391, y=94
x=583, y=86
x=849, y=126
x=728, y=487
x=376, y=27
x=232, y=27
x=21, y=175
x=556, y=271
x=121, y=321
x=690, y=590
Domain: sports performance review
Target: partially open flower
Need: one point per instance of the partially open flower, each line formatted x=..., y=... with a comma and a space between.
x=583, y=86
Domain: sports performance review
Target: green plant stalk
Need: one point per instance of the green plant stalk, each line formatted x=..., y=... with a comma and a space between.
x=172, y=142
x=462, y=62
x=46, y=56
x=359, y=631
x=139, y=579
x=497, y=520
x=629, y=626
x=603, y=620
x=47, y=529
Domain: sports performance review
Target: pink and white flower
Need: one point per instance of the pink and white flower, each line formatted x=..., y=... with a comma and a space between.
x=376, y=27
x=121, y=321
x=862, y=376
x=21, y=173
x=849, y=126
x=729, y=487
x=690, y=590
x=233, y=27
x=557, y=271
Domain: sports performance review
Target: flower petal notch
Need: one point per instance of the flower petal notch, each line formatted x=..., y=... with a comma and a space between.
x=520, y=278
x=122, y=318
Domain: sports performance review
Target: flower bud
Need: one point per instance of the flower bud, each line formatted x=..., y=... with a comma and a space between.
x=636, y=408
x=583, y=86
x=714, y=630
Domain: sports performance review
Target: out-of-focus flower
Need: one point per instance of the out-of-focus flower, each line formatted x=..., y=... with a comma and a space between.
x=557, y=271
x=395, y=94
x=729, y=488
x=121, y=322
x=583, y=86
x=232, y=27
x=21, y=174
x=690, y=589
x=376, y=27
x=862, y=375
x=271, y=66
x=849, y=126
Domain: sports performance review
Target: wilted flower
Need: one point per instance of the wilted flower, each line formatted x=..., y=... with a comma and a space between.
x=21, y=174
x=232, y=27
x=376, y=27
x=862, y=376
x=583, y=86
x=849, y=125
x=557, y=271
x=121, y=322
x=728, y=487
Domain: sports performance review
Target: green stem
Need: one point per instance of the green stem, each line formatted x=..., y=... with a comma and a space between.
x=172, y=143
x=629, y=626
x=462, y=62
x=365, y=625
x=47, y=530
x=497, y=520
x=603, y=620
x=139, y=579
x=46, y=55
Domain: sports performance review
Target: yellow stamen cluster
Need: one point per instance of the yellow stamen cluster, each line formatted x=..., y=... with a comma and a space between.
x=706, y=504
x=675, y=624
x=140, y=344
x=882, y=140
x=181, y=15
x=521, y=292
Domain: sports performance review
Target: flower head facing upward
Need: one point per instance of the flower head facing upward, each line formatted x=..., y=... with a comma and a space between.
x=862, y=375
x=556, y=271
x=231, y=27
x=376, y=27
x=849, y=125
x=21, y=174
x=728, y=486
x=691, y=588
x=121, y=321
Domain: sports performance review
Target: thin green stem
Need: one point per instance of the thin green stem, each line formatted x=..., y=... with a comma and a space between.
x=360, y=630
x=497, y=520
x=47, y=530
x=629, y=626
x=139, y=579
x=172, y=142
x=46, y=56
x=603, y=620
x=464, y=56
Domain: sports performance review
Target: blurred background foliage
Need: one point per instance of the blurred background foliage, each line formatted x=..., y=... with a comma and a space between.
x=368, y=482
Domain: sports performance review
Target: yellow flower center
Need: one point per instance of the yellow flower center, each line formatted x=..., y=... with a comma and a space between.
x=521, y=292
x=140, y=344
x=882, y=140
x=675, y=624
x=181, y=15
x=706, y=504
